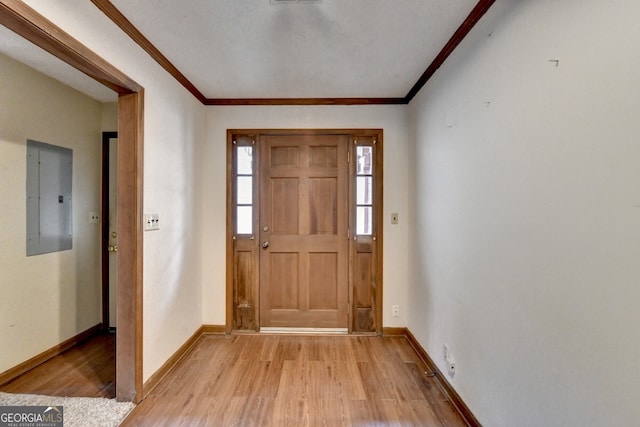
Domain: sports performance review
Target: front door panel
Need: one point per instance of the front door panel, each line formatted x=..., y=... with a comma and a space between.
x=303, y=231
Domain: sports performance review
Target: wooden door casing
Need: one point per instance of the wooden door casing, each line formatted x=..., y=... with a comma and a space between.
x=302, y=241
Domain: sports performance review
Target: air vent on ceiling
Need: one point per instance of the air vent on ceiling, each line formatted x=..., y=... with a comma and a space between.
x=293, y=1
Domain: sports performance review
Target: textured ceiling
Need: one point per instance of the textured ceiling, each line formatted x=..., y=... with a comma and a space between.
x=324, y=49
x=234, y=49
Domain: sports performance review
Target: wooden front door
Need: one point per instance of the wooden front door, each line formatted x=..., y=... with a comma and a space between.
x=303, y=223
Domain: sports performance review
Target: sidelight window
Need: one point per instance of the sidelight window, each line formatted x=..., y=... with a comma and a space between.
x=364, y=190
x=244, y=189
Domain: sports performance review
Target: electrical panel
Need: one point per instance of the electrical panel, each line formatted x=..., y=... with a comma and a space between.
x=49, y=207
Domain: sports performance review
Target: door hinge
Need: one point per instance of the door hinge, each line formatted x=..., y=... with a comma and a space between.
x=348, y=233
x=348, y=156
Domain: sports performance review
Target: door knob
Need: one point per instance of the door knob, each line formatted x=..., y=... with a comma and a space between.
x=265, y=245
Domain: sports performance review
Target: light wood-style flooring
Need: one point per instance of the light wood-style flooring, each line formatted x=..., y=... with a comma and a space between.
x=85, y=370
x=263, y=380
x=281, y=380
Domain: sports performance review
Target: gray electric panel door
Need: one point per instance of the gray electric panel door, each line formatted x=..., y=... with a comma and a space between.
x=49, y=177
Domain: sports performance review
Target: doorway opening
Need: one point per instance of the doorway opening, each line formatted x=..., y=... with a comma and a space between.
x=29, y=24
x=109, y=232
x=304, y=230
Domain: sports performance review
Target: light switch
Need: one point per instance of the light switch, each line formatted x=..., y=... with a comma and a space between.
x=394, y=218
x=151, y=222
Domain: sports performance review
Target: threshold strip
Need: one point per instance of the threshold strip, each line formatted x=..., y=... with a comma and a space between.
x=313, y=331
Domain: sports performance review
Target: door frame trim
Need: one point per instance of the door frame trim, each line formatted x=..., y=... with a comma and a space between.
x=378, y=217
x=31, y=25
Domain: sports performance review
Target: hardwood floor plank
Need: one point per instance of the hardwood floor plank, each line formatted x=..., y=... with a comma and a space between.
x=265, y=380
x=328, y=413
x=350, y=381
x=322, y=382
x=368, y=413
x=438, y=402
x=374, y=381
x=291, y=412
x=254, y=379
x=422, y=412
x=276, y=380
x=85, y=370
x=292, y=381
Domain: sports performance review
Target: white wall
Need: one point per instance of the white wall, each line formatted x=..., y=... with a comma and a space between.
x=527, y=228
x=48, y=298
x=173, y=133
x=392, y=119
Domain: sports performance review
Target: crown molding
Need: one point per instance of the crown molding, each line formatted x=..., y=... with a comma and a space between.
x=476, y=14
x=305, y=101
x=125, y=25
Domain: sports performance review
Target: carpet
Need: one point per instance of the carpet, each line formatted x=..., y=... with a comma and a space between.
x=78, y=411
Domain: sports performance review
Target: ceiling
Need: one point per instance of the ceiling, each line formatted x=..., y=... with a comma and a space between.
x=22, y=50
x=303, y=49
x=380, y=51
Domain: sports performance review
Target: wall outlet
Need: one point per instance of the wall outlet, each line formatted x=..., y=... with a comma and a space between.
x=451, y=366
x=445, y=351
x=395, y=310
x=94, y=218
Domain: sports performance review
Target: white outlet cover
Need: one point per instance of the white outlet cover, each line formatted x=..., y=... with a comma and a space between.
x=451, y=366
x=94, y=218
x=445, y=351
